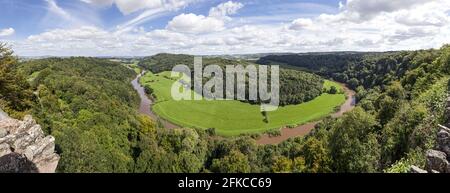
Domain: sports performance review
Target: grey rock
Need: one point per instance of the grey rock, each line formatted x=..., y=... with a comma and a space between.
x=417, y=170
x=25, y=148
x=443, y=141
x=3, y=132
x=4, y=149
x=434, y=172
x=27, y=123
x=436, y=160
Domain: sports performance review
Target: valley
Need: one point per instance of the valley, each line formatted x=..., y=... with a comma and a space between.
x=233, y=118
x=100, y=115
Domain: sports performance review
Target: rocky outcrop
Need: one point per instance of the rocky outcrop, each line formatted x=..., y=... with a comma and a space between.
x=24, y=148
x=438, y=160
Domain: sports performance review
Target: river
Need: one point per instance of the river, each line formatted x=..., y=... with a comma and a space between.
x=286, y=133
x=146, y=103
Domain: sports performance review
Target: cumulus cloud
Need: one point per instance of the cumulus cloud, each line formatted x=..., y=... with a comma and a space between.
x=7, y=32
x=192, y=23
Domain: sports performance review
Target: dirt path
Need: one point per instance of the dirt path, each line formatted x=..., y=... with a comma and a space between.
x=146, y=103
x=287, y=133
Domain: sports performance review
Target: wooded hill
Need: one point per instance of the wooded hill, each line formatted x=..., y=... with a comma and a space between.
x=295, y=86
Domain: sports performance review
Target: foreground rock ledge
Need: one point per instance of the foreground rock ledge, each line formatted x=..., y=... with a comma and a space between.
x=25, y=149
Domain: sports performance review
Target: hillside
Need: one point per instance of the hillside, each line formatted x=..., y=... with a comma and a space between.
x=296, y=87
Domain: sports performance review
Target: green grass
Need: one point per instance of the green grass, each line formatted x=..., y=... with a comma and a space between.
x=231, y=118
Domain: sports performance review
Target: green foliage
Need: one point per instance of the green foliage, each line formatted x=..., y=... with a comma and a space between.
x=316, y=156
x=333, y=90
x=283, y=165
x=416, y=158
x=353, y=143
x=295, y=86
x=16, y=96
x=88, y=105
x=235, y=162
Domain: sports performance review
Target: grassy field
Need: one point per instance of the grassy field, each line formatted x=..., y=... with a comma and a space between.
x=231, y=118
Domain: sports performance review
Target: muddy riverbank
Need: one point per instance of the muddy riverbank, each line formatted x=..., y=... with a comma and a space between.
x=302, y=130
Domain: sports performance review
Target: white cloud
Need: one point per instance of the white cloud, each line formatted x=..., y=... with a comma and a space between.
x=191, y=23
x=68, y=17
x=131, y=6
x=422, y=17
x=7, y=32
x=54, y=8
x=391, y=26
x=301, y=23
x=225, y=9
x=368, y=9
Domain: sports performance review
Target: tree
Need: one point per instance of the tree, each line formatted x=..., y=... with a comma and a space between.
x=353, y=83
x=316, y=156
x=398, y=135
x=299, y=165
x=15, y=93
x=282, y=165
x=235, y=162
x=333, y=90
x=353, y=143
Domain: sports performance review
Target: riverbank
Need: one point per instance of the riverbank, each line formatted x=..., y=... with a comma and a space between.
x=286, y=133
x=302, y=130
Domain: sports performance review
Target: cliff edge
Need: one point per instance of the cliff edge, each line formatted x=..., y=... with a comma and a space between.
x=24, y=148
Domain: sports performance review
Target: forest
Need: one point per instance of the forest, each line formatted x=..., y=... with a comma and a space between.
x=89, y=106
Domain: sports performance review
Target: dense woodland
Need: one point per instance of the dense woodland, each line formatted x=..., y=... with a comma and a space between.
x=295, y=86
x=89, y=106
x=356, y=69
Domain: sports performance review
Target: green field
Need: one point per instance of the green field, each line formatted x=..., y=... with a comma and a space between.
x=231, y=118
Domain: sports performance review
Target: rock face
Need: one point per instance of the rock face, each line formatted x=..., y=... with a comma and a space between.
x=24, y=148
x=437, y=162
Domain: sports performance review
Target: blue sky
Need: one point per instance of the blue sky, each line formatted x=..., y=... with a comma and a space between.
x=145, y=27
x=21, y=14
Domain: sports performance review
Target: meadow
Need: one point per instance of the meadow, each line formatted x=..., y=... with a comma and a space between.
x=232, y=118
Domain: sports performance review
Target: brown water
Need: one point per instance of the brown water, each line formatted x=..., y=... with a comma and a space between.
x=302, y=130
x=146, y=103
